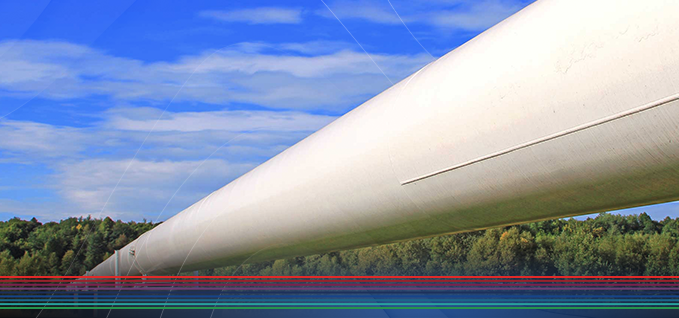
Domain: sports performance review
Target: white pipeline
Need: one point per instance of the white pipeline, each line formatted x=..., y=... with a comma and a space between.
x=568, y=107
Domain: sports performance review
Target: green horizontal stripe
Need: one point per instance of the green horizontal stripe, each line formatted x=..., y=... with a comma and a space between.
x=255, y=307
x=254, y=300
x=345, y=304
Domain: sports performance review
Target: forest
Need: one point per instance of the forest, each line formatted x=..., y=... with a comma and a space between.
x=69, y=247
x=609, y=244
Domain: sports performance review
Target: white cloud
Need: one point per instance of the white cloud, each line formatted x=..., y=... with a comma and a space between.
x=86, y=162
x=262, y=15
x=43, y=210
x=476, y=17
x=32, y=141
x=176, y=136
x=146, y=187
x=464, y=15
x=316, y=47
x=268, y=75
x=234, y=121
x=372, y=11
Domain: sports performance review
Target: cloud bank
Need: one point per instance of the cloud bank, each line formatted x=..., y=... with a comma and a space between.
x=273, y=76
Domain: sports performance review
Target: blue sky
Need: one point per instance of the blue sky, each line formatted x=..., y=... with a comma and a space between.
x=83, y=86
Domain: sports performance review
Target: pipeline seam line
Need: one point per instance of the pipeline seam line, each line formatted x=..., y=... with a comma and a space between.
x=562, y=133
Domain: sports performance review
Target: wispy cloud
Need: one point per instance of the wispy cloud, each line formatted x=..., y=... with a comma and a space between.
x=31, y=141
x=463, y=15
x=44, y=210
x=147, y=187
x=234, y=121
x=476, y=16
x=262, y=15
x=316, y=47
x=372, y=11
x=256, y=73
x=121, y=129
x=86, y=162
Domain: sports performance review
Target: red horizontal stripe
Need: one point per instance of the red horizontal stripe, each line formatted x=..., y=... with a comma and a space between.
x=208, y=279
x=330, y=285
x=302, y=277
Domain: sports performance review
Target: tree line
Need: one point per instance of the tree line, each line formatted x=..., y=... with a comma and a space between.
x=69, y=247
x=606, y=245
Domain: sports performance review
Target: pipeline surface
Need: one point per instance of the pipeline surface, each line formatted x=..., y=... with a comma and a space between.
x=568, y=107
